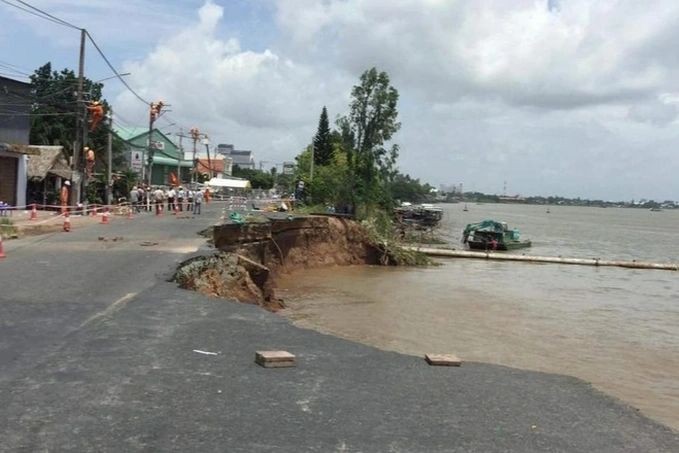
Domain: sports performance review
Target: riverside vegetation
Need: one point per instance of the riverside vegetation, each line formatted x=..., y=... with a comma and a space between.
x=350, y=169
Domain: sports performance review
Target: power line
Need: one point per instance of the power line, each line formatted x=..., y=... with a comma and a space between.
x=61, y=21
x=13, y=75
x=114, y=69
x=37, y=114
x=6, y=63
x=121, y=119
x=39, y=13
x=12, y=68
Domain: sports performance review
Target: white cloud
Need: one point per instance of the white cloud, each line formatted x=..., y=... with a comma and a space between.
x=555, y=97
x=253, y=99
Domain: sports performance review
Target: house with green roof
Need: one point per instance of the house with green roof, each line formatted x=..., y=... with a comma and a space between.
x=167, y=157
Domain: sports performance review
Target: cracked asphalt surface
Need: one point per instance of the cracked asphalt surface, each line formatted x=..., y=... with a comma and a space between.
x=97, y=354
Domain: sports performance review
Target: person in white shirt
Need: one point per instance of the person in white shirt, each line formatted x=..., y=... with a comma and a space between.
x=180, y=198
x=158, y=198
x=171, y=194
x=189, y=198
x=197, y=202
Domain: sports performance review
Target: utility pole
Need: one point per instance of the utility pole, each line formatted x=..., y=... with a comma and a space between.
x=311, y=168
x=82, y=115
x=195, y=134
x=150, y=147
x=209, y=162
x=109, y=157
x=181, y=156
x=155, y=110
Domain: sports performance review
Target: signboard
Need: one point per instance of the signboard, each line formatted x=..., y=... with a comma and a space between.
x=288, y=168
x=156, y=145
x=136, y=161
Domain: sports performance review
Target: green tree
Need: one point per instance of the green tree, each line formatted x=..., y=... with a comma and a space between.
x=258, y=179
x=370, y=123
x=405, y=188
x=55, y=110
x=322, y=140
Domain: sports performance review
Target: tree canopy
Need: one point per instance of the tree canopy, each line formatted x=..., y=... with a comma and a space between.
x=258, y=179
x=360, y=173
x=55, y=109
x=371, y=122
x=322, y=140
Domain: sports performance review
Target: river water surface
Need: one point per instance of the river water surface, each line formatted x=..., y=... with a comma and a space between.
x=616, y=328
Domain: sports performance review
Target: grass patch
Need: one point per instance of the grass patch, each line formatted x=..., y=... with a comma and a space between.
x=422, y=237
x=7, y=228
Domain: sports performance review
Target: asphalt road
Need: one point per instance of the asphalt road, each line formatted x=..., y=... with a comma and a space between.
x=97, y=354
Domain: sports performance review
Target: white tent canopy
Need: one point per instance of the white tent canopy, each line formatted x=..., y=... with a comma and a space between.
x=231, y=183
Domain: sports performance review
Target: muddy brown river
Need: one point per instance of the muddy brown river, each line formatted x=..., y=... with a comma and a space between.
x=616, y=328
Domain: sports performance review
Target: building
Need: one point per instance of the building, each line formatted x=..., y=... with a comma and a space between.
x=242, y=158
x=15, y=130
x=289, y=168
x=215, y=167
x=46, y=171
x=167, y=157
x=225, y=150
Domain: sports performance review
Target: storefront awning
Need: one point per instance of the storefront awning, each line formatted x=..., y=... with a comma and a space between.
x=161, y=160
x=231, y=183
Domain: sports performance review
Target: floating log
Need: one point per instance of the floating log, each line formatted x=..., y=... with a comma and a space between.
x=544, y=259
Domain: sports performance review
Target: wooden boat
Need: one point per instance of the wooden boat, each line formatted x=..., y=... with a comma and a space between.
x=493, y=235
x=420, y=216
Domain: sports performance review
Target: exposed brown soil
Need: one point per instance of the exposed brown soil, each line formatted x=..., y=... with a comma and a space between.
x=252, y=257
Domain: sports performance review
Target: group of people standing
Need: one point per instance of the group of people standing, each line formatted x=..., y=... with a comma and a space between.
x=177, y=199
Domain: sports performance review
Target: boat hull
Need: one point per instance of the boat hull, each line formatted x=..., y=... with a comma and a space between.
x=503, y=246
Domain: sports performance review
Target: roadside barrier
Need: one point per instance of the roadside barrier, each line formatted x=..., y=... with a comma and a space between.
x=34, y=213
x=2, y=250
x=104, y=217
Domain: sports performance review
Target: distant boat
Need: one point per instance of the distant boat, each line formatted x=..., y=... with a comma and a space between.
x=423, y=215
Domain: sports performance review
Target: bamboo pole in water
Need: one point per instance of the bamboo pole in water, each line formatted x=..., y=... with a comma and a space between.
x=544, y=259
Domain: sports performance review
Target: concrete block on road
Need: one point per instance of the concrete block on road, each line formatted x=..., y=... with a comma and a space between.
x=442, y=359
x=275, y=359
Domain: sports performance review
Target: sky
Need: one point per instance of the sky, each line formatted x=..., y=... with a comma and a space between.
x=554, y=97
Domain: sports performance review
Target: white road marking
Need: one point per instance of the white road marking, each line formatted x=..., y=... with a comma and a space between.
x=115, y=306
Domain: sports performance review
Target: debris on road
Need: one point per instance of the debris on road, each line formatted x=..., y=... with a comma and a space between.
x=205, y=352
x=442, y=359
x=113, y=239
x=274, y=359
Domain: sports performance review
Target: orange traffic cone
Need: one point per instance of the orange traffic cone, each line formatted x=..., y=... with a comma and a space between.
x=67, y=223
x=104, y=217
x=34, y=213
x=2, y=251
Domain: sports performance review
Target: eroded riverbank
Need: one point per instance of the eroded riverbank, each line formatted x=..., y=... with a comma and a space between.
x=252, y=256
